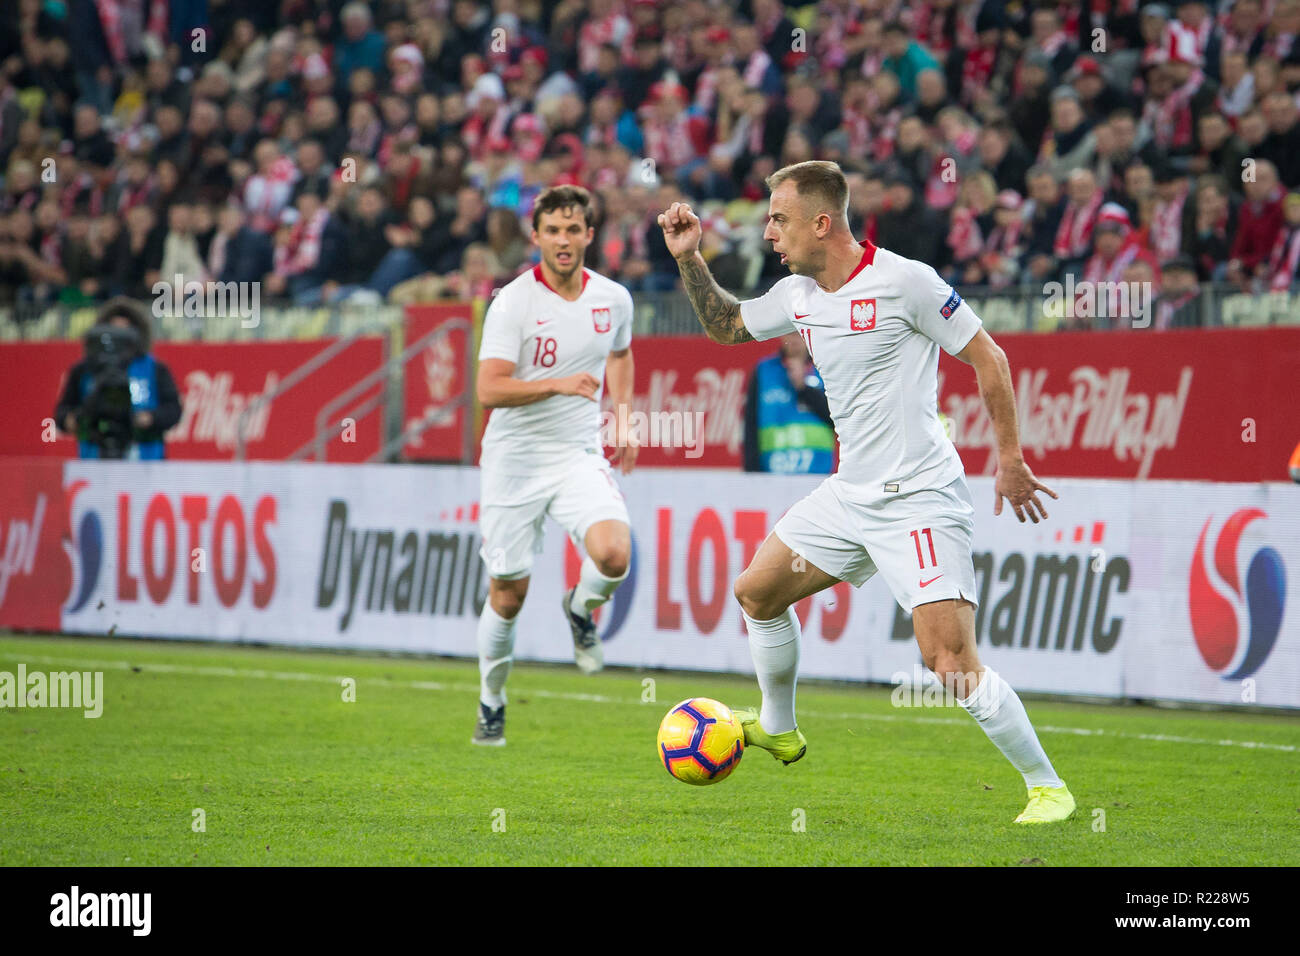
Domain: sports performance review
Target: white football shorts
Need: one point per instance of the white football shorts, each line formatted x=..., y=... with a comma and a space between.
x=920, y=541
x=513, y=510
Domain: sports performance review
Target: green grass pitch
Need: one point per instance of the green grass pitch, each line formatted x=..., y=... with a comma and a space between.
x=286, y=772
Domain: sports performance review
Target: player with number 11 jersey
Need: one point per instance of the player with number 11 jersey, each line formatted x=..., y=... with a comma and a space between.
x=898, y=505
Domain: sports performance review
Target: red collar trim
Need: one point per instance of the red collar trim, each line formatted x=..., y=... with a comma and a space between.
x=541, y=277
x=868, y=257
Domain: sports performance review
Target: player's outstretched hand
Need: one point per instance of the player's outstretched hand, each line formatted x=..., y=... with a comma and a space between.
x=581, y=384
x=1018, y=485
x=624, y=458
x=682, y=231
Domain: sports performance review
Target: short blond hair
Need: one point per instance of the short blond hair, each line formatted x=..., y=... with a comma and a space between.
x=821, y=181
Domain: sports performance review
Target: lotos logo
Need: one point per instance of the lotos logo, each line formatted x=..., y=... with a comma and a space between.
x=85, y=549
x=863, y=315
x=1223, y=605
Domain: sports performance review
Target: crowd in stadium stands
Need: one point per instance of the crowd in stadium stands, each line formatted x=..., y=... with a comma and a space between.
x=392, y=150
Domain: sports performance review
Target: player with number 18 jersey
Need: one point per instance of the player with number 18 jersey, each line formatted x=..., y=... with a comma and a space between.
x=551, y=339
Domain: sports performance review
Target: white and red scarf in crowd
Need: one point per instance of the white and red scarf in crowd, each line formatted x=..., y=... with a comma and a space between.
x=929, y=21
x=1182, y=39
x=757, y=127
x=1167, y=227
x=1099, y=269
x=941, y=185
x=268, y=193
x=1054, y=42
x=613, y=28
x=1171, y=119
x=366, y=140
x=965, y=238
x=410, y=132
x=637, y=245
x=872, y=63
x=755, y=68
x=303, y=249
x=1279, y=47
x=669, y=144
x=1001, y=253
x=941, y=188
x=597, y=135
x=476, y=133
x=1166, y=309
x=706, y=89
x=678, y=52
x=884, y=132
x=1050, y=47
x=1232, y=42
x=50, y=247
x=858, y=126
x=83, y=188
x=977, y=70
x=1074, y=234
x=767, y=26
x=115, y=38
x=1284, y=259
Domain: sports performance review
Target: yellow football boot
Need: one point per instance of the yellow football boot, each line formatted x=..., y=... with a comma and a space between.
x=787, y=747
x=1047, y=805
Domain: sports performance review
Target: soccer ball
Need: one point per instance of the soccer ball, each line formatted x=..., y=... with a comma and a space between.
x=700, y=741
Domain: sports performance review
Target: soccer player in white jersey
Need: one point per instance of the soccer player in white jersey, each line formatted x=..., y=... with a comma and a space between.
x=549, y=340
x=873, y=322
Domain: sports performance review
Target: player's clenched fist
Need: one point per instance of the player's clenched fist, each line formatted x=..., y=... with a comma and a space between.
x=682, y=230
x=581, y=384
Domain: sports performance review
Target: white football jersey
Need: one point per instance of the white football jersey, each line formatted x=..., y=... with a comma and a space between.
x=547, y=336
x=876, y=342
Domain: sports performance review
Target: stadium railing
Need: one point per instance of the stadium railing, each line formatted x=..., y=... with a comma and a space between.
x=1014, y=309
x=1019, y=310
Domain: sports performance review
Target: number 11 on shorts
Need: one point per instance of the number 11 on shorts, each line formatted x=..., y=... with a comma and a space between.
x=916, y=540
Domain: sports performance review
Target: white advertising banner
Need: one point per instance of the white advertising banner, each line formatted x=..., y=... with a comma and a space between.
x=1215, y=608
x=1173, y=590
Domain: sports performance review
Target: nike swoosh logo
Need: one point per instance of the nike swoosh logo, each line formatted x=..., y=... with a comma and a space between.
x=926, y=584
x=542, y=321
x=804, y=316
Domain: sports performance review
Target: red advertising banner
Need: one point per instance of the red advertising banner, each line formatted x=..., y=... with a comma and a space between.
x=216, y=381
x=692, y=392
x=434, y=377
x=34, y=572
x=1212, y=404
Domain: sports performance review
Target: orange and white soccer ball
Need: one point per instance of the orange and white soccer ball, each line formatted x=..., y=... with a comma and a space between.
x=700, y=741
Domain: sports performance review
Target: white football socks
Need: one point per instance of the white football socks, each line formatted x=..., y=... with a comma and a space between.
x=998, y=710
x=774, y=645
x=496, y=646
x=593, y=589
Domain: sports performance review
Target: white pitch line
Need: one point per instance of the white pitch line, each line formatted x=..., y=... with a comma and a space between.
x=260, y=674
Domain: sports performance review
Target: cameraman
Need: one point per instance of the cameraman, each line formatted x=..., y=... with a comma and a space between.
x=788, y=428
x=119, y=399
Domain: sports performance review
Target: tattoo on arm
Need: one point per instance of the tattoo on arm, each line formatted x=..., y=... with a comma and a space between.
x=717, y=309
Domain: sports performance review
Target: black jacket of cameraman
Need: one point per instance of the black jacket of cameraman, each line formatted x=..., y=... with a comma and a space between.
x=154, y=401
